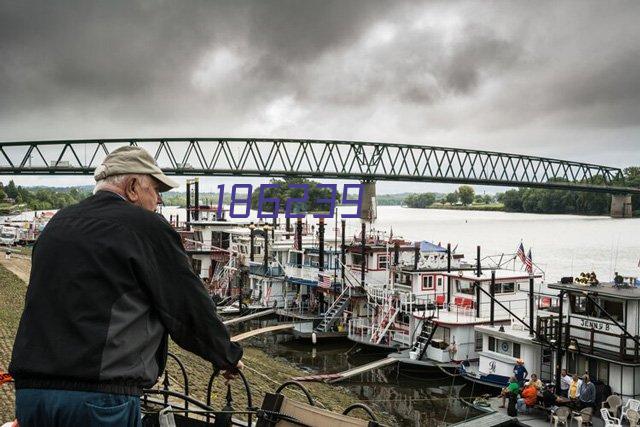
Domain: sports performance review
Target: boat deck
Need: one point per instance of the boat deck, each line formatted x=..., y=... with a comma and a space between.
x=497, y=416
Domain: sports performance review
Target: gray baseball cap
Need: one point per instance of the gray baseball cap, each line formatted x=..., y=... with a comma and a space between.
x=133, y=160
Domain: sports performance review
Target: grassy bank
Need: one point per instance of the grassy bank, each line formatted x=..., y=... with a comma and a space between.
x=263, y=372
x=12, y=291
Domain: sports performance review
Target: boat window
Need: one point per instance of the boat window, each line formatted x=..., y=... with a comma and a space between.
x=478, y=341
x=492, y=344
x=583, y=305
x=356, y=260
x=383, y=262
x=197, y=236
x=504, y=288
x=516, y=350
x=614, y=307
x=464, y=287
x=439, y=282
x=427, y=282
x=579, y=304
x=508, y=288
x=443, y=334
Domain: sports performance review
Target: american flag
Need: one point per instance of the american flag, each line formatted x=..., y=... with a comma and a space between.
x=521, y=254
x=324, y=281
x=529, y=263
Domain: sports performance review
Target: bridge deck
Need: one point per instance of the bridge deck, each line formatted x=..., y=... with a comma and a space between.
x=318, y=158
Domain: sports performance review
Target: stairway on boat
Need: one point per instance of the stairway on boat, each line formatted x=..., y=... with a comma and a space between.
x=423, y=340
x=334, y=313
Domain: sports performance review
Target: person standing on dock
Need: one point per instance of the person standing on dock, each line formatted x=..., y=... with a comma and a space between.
x=565, y=383
x=520, y=372
x=587, y=398
x=110, y=282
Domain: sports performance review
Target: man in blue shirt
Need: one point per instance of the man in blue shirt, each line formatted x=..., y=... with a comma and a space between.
x=520, y=372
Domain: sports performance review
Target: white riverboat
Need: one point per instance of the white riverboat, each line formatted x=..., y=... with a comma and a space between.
x=592, y=328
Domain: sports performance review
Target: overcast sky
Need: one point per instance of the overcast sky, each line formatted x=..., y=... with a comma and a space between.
x=557, y=78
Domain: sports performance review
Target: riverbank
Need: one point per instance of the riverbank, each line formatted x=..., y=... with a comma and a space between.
x=264, y=372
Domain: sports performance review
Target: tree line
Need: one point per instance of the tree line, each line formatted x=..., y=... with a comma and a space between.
x=41, y=198
x=535, y=200
x=542, y=200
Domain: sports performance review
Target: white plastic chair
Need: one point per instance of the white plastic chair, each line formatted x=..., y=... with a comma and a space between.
x=583, y=417
x=633, y=417
x=612, y=404
x=609, y=421
x=631, y=404
x=560, y=416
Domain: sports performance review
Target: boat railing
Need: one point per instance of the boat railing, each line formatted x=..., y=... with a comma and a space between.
x=610, y=344
x=259, y=269
x=362, y=330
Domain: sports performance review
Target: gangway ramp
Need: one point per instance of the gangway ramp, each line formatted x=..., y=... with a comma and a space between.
x=253, y=333
x=250, y=316
x=340, y=376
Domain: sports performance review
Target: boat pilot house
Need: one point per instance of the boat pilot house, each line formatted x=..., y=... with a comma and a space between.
x=600, y=333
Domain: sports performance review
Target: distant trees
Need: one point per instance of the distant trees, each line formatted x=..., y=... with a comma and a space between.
x=452, y=198
x=284, y=192
x=41, y=198
x=423, y=200
x=467, y=194
x=542, y=200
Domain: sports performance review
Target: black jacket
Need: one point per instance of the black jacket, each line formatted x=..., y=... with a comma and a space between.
x=108, y=281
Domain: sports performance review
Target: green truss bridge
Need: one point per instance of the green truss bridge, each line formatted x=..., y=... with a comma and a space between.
x=366, y=161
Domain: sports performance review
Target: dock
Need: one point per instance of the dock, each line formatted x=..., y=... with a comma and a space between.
x=253, y=333
x=250, y=316
x=340, y=376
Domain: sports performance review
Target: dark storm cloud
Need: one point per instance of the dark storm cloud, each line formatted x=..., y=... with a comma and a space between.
x=493, y=75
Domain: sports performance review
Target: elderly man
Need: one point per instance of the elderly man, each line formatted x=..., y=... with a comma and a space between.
x=109, y=282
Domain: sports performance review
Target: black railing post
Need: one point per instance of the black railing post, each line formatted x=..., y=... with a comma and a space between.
x=287, y=227
x=188, y=205
x=197, y=201
x=559, y=342
x=298, y=238
x=266, y=248
x=449, y=290
x=343, y=255
x=321, y=244
x=252, y=242
x=478, y=299
x=363, y=246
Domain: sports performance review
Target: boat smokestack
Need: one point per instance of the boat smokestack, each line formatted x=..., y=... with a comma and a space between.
x=479, y=266
x=252, y=241
x=396, y=253
x=321, y=244
x=416, y=255
x=363, y=247
x=298, y=238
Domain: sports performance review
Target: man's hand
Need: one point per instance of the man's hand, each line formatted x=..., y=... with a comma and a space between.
x=232, y=374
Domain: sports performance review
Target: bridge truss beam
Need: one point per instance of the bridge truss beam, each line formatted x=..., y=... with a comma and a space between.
x=317, y=159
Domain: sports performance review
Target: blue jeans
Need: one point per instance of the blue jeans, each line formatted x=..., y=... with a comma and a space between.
x=59, y=408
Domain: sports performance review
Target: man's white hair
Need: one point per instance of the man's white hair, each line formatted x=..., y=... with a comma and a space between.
x=117, y=180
